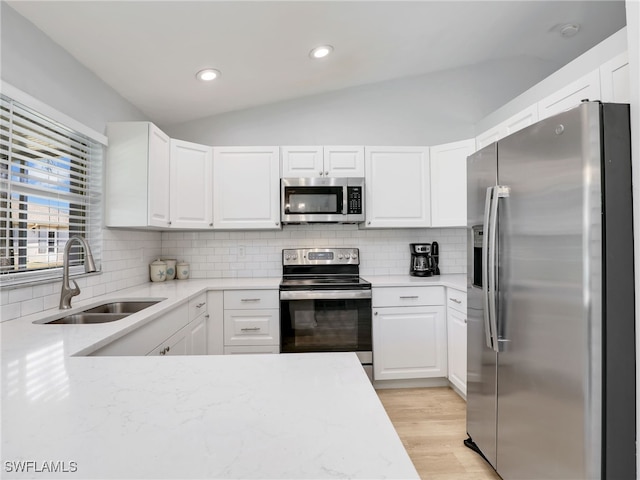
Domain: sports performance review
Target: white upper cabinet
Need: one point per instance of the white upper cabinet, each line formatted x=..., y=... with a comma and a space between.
x=328, y=161
x=302, y=161
x=514, y=123
x=449, y=183
x=344, y=161
x=398, y=187
x=614, y=80
x=246, y=188
x=585, y=88
x=137, y=176
x=191, y=185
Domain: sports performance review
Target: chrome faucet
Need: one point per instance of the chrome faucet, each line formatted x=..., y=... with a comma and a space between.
x=89, y=266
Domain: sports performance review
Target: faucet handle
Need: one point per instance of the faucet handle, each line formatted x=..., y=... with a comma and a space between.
x=75, y=290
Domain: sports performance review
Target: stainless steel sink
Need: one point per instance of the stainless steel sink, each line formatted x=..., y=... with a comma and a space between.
x=82, y=318
x=102, y=313
x=126, y=307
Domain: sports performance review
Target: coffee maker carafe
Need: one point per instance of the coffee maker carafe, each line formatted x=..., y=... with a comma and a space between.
x=424, y=259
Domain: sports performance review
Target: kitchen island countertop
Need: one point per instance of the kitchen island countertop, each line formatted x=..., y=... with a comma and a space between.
x=245, y=416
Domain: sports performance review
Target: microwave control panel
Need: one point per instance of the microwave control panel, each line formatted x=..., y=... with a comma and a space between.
x=354, y=200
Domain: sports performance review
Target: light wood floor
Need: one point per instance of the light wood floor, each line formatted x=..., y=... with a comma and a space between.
x=431, y=423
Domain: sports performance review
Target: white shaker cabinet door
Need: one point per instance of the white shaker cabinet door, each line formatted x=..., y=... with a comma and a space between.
x=191, y=185
x=246, y=188
x=158, y=177
x=614, y=80
x=449, y=183
x=585, y=88
x=398, y=187
x=409, y=342
x=302, y=161
x=344, y=161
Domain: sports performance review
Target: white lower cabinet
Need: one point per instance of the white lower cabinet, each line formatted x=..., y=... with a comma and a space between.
x=251, y=321
x=409, y=342
x=457, y=339
x=197, y=328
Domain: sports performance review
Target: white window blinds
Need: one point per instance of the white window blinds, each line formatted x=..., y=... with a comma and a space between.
x=50, y=189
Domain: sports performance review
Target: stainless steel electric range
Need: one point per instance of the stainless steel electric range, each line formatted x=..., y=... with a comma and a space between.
x=324, y=304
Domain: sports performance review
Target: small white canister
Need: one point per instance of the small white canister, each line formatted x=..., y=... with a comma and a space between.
x=182, y=270
x=158, y=271
x=171, y=268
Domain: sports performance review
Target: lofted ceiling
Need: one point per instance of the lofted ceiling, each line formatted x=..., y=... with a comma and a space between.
x=150, y=51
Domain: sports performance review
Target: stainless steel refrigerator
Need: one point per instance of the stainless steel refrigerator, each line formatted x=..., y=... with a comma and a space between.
x=551, y=340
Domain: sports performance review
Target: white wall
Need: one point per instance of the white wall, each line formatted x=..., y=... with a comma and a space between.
x=32, y=63
x=424, y=110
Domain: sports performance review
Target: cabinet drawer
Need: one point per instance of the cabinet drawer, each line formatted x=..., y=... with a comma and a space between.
x=252, y=327
x=251, y=299
x=197, y=306
x=407, y=296
x=457, y=300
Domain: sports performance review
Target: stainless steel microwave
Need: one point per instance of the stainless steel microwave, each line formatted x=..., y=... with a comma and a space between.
x=322, y=200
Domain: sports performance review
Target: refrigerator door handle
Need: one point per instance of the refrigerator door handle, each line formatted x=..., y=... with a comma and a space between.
x=489, y=256
x=486, y=265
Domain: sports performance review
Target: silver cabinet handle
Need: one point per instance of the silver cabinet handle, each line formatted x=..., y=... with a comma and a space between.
x=250, y=329
x=200, y=305
x=406, y=297
x=455, y=300
x=249, y=299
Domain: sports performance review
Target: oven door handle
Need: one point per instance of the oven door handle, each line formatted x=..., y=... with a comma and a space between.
x=324, y=294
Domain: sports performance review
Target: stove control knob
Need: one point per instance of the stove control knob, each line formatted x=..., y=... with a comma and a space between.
x=339, y=256
x=295, y=257
x=287, y=257
x=354, y=255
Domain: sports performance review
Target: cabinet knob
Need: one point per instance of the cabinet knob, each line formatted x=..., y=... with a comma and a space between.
x=326, y=174
x=369, y=222
x=208, y=316
x=168, y=223
x=375, y=313
x=277, y=223
x=211, y=224
x=320, y=172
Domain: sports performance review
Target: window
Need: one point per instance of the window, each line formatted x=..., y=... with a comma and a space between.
x=50, y=190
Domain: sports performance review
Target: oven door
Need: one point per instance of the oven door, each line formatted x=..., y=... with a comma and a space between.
x=326, y=321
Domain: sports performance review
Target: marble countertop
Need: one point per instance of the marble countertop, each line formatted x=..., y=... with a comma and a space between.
x=253, y=416
x=457, y=281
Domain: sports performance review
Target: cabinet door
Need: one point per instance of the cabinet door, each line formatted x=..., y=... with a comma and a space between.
x=191, y=185
x=246, y=186
x=449, y=183
x=215, y=323
x=198, y=335
x=397, y=187
x=302, y=161
x=488, y=137
x=457, y=349
x=344, y=161
x=587, y=87
x=614, y=80
x=409, y=342
x=158, y=177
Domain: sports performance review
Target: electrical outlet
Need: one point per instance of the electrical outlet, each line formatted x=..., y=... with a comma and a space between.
x=241, y=251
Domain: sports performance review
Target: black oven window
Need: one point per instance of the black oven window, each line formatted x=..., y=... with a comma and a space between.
x=326, y=325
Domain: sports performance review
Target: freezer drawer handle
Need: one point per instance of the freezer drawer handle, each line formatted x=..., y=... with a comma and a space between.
x=455, y=300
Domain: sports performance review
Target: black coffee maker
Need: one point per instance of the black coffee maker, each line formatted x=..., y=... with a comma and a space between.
x=424, y=259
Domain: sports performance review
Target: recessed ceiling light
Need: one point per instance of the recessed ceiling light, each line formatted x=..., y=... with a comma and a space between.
x=569, y=29
x=321, y=51
x=207, y=74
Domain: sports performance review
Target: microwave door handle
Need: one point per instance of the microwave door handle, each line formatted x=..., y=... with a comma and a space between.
x=345, y=199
